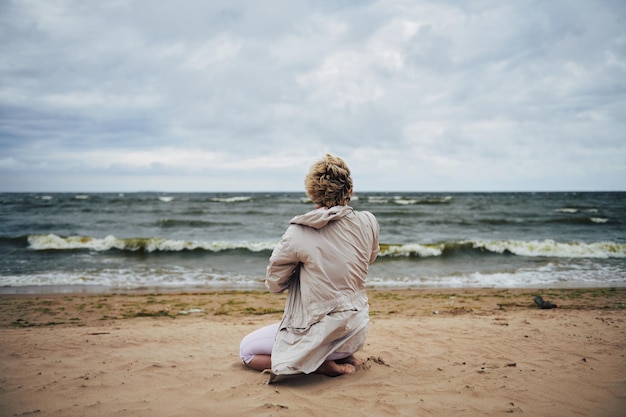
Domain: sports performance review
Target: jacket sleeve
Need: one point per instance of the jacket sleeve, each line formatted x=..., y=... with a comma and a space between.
x=283, y=264
x=375, y=245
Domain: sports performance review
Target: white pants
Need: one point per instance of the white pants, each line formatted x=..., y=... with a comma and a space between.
x=261, y=341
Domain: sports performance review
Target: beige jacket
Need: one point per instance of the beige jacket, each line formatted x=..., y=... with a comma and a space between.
x=322, y=260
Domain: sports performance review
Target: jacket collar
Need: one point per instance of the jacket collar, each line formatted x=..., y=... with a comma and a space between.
x=320, y=217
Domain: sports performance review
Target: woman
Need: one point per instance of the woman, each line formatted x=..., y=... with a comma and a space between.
x=322, y=261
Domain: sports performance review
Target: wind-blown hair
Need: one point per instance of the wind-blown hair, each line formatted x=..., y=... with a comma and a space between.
x=328, y=182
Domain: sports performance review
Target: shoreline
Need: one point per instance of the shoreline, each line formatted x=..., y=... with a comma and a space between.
x=260, y=287
x=80, y=308
x=452, y=352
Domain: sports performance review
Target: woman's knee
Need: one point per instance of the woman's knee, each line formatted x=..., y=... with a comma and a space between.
x=259, y=342
x=260, y=362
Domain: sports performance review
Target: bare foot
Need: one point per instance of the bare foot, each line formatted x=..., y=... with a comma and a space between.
x=353, y=360
x=332, y=368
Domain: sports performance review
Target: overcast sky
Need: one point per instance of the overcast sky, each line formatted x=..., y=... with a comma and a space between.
x=196, y=95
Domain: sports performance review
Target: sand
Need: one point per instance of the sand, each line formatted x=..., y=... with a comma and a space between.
x=478, y=352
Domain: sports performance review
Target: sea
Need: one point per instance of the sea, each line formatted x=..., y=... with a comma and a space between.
x=151, y=241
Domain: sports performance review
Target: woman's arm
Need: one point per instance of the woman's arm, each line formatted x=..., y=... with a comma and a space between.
x=375, y=245
x=283, y=264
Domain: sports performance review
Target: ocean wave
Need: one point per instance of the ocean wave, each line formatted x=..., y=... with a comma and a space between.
x=556, y=249
x=580, y=220
x=547, y=276
x=421, y=251
x=377, y=200
x=235, y=199
x=403, y=201
x=569, y=210
x=154, y=244
x=175, y=223
x=544, y=248
x=129, y=279
x=550, y=275
x=574, y=210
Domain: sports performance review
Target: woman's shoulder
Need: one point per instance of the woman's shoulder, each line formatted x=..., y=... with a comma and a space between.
x=366, y=216
x=365, y=213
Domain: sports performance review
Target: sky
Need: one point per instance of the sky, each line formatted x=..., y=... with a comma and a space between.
x=425, y=96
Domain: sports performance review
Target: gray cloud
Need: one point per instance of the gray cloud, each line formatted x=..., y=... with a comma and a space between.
x=415, y=95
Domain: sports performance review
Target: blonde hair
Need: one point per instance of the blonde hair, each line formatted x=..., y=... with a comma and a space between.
x=328, y=182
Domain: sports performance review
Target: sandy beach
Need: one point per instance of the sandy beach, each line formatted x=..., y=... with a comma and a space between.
x=475, y=352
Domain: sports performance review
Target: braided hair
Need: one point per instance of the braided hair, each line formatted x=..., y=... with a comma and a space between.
x=328, y=182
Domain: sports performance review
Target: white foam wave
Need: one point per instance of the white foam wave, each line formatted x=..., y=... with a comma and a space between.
x=236, y=199
x=547, y=248
x=544, y=248
x=566, y=210
x=553, y=274
x=131, y=279
x=414, y=249
x=54, y=242
x=404, y=201
x=546, y=276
